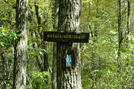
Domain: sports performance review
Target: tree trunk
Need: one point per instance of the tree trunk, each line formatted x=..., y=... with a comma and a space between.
x=20, y=49
x=39, y=35
x=55, y=9
x=128, y=22
x=120, y=38
x=68, y=21
x=96, y=24
x=42, y=64
x=4, y=70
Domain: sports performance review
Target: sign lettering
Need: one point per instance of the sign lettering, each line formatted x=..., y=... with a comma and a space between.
x=66, y=36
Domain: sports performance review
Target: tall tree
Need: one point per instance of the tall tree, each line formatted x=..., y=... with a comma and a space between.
x=55, y=9
x=68, y=21
x=120, y=38
x=96, y=24
x=36, y=34
x=128, y=19
x=20, y=47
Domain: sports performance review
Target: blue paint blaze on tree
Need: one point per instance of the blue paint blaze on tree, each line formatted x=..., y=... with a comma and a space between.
x=68, y=61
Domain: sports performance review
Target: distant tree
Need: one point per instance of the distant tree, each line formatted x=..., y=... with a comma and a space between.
x=55, y=10
x=128, y=19
x=120, y=33
x=96, y=24
x=37, y=34
x=20, y=48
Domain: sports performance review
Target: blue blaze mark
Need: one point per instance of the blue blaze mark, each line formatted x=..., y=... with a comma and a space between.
x=68, y=61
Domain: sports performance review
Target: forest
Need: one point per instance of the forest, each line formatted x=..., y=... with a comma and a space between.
x=106, y=61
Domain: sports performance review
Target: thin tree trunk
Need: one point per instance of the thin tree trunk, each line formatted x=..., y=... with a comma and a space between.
x=68, y=21
x=55, y=26
x=128, y=21
x=42, y=64
x=38, y=58
x=37, y=34
x=4, y=70
x=20, y=49
x=96, y=24
x=120, y=38
x=45, y=44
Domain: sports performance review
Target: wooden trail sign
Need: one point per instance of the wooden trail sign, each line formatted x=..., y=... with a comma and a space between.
x=66, y=37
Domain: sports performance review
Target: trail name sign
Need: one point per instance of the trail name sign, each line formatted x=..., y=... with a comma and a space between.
x=66, y=37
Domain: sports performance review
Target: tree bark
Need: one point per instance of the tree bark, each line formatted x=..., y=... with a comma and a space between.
x=38, y=34
x=20, y=48
x=96, y=24
x=55, y=9
x=43, y=64
x=68, y=21
x=120, y=38
x=128, y=21
x=4, y=70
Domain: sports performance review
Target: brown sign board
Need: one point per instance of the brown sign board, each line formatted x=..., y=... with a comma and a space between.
x=66, y=37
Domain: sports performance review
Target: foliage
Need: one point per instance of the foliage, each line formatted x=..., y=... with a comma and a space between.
x=39, y=79
x=7, y=37
x=101, y=67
